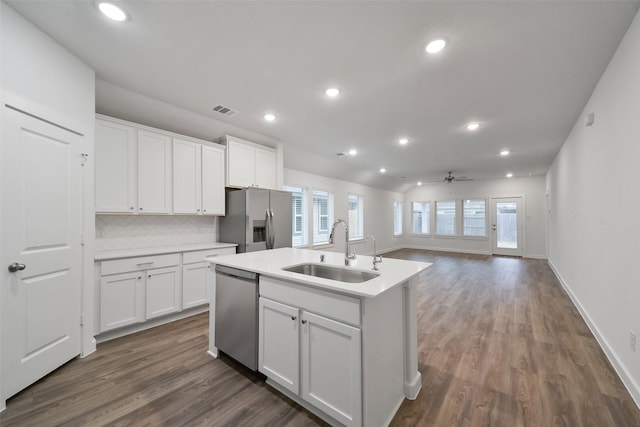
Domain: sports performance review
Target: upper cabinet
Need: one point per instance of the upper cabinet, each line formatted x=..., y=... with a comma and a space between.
x=198, y=178
x=144, y=170
x=154, y=172
x=115, y=165
x=249, y=164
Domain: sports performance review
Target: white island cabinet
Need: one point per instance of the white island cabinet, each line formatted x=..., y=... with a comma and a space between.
x=307, y=346
x=345, y=351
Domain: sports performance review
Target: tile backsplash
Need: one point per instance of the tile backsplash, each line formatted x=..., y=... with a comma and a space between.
x=114, y=232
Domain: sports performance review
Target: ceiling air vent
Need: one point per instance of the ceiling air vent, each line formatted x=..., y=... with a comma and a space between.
x=225, y=110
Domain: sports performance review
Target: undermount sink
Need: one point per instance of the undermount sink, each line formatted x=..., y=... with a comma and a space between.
x=340, y=274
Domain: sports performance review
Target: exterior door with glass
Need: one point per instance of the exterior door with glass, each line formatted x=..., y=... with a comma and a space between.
x=506, y=226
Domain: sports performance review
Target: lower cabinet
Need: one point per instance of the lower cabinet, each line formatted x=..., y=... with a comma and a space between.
x=121, y=300
x=162, y=292
x=194, y=284
x=195, y=273
x=314, y=357
x=134, y=290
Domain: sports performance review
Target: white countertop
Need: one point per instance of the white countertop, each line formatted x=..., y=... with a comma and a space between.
x=127, y=253
x=393, y=272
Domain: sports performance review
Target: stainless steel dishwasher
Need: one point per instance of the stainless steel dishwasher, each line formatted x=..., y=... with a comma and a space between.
x=237, y=314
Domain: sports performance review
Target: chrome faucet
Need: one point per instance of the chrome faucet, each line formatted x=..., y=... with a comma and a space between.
x=377, y=259
x=348, y=256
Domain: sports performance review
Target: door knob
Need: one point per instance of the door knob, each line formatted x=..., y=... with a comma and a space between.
x=16, y=267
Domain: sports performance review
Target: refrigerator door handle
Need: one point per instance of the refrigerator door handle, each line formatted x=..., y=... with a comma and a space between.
x=268, y=230
x=272, y=236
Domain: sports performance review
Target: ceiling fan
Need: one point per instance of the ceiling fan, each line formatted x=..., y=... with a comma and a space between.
x=450, y=178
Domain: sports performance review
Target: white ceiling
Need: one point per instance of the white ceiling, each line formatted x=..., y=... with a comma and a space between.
x=524, y=69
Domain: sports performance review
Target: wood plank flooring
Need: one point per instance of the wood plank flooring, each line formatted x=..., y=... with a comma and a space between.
x=500, y=344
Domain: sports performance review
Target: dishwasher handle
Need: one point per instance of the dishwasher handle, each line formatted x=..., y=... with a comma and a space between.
x=234, y=272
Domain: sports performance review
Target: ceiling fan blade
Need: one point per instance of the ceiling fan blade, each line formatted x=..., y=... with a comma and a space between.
x=464, y=178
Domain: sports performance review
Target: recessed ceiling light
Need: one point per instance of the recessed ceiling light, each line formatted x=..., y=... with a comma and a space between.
x=473, y=126
x=505, y=152
x=332, y=92
x=353, y=152
x=382, y=170
x=419, y=183
x=436, y=46
x=403, y=141
x=112, y=11
x=509, y=175
x=269, y=117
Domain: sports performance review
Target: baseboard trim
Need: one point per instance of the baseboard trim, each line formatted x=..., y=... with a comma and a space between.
x=460, y=251
x=627, y=380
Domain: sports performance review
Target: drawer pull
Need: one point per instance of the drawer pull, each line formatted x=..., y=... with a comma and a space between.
x=145, y=263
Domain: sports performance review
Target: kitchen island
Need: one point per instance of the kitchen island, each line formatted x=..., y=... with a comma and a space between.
x=345, y=351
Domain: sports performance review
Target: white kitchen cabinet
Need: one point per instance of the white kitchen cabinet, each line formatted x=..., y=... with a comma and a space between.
x=306, y=348
x=121, y=300
x=154, y=172
x=213, y=202
x=115, y=167
x=331, y=367
x=133, y=290
x=187, y=177
x=194, y=275
x=198, y=178
x=162, y=291
x=279, y=343
x=143, y=170
x=266, y=161
x=249, y=164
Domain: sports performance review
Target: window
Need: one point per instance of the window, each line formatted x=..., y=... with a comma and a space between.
x=356, y=216
x=474, y=221
x=420, y=217
x=298, y=217
x=397, y=218
x=446, y=218
x=322, y=216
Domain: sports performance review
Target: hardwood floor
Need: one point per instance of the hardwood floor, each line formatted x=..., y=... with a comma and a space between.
x=500, y=344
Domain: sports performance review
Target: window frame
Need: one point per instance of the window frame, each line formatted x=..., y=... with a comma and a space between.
x=317, y=216
x=303, y=235
x=424, y=204
x=357, y=232
x=455, y=218
x=397, y=217
x=464, y=217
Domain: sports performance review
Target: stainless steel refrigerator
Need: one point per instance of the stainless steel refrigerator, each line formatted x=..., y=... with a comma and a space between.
x=257, y=219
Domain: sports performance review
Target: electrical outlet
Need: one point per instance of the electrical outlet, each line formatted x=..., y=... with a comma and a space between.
x=632, y=340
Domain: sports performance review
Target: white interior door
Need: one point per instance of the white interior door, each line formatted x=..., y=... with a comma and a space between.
x=506, y=226
x=41, y=235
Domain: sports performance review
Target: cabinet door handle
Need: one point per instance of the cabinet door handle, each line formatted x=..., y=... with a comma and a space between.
x=303, y=321
x=294, y=317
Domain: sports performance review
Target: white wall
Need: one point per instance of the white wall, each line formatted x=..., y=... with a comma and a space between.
x=532, y=189
x=378, y=209
x=594, y=226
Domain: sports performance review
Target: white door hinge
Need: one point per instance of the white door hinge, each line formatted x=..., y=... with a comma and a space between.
x=84, y=158
x=81, y=319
